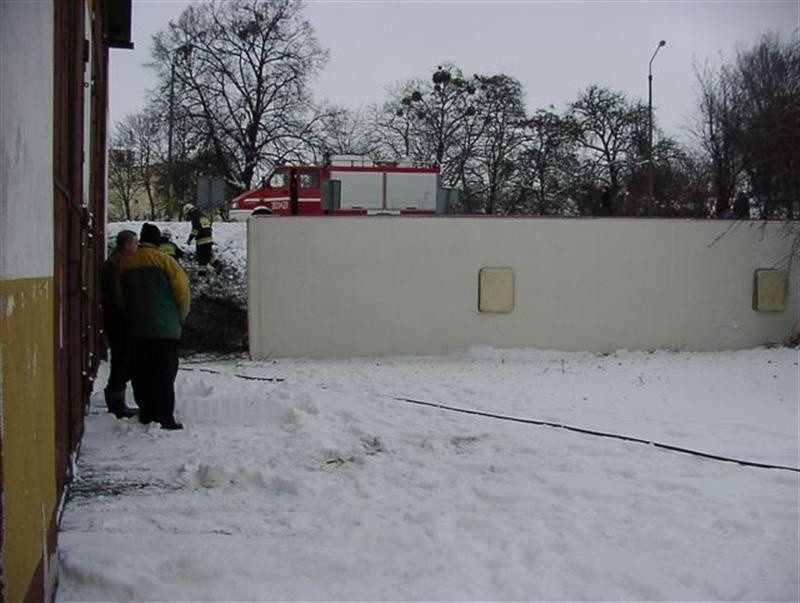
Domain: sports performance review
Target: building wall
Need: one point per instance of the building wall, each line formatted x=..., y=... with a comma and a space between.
x=140, y=206
x=27, y=396
x=322, y=287
x=29, y=493
x=26, y=119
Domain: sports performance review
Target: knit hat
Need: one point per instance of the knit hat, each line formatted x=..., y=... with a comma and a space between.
x=150, y=234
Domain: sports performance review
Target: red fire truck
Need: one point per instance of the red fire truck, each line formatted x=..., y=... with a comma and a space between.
x=345, y=185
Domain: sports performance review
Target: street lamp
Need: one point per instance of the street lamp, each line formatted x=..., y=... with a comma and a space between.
x=181, y=52
x=650, y=118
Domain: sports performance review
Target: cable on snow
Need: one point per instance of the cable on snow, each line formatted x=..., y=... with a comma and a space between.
x=593, y=432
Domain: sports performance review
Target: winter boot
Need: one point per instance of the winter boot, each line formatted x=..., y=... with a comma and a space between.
x=171, y=424
x=115, y=401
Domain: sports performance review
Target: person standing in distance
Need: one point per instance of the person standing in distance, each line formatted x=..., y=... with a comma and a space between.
x=202, y=235
x=154, y=293
x=115, y=327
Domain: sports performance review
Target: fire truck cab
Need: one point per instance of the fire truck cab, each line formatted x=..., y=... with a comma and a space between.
x=345, y=185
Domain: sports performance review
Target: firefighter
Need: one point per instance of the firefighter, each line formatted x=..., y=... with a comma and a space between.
x=168, y=246
x=201, y=234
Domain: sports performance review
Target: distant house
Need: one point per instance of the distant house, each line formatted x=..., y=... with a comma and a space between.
x=54, y=100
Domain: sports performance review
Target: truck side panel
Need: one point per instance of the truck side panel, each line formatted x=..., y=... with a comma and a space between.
x=360, y=189
x=411, y=191
x=391, y=190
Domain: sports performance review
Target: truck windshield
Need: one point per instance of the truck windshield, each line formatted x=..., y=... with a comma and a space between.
x=277, y=179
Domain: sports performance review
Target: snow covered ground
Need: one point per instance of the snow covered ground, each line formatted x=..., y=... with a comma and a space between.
x=323, y=486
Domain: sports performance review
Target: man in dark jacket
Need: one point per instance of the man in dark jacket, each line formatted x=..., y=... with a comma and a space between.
x=201, y=234
x=154, y=293
x=115, y=328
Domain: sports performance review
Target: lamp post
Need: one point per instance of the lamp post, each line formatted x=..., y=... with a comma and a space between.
x=182, y=51
x=170, y=128
x=650, y=119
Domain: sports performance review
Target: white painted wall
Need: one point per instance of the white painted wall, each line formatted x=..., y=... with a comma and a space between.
x=327, y=287
x=26, y=139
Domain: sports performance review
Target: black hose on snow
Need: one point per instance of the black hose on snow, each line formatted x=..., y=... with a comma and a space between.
x=602, y=434
x=250, y=377
x=593, y=432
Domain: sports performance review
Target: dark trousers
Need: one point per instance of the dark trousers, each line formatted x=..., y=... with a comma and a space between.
x=205, y=256
x=119, y=347
x=154, y=364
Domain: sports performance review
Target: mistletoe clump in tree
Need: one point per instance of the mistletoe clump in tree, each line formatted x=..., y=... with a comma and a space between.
x=432, y=122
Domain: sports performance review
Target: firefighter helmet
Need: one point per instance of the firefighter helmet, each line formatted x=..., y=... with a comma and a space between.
x=188, y=209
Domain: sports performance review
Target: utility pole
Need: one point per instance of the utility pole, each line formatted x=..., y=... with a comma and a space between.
x=170, y=130
x=182, y=51
x=650, y=119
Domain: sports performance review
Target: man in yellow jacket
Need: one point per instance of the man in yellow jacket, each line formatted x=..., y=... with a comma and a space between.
x=155, y=297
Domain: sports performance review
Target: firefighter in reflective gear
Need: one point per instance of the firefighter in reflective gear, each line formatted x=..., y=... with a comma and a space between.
x=201, y=234
x=168, y=246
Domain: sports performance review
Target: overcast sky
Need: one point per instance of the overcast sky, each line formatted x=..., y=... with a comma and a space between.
x=554, y=48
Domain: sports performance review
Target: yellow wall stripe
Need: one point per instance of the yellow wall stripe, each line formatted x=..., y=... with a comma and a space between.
x=27, y=393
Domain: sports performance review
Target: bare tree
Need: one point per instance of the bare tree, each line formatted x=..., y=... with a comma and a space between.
x=392, y=124
x=714, y=130
x=434, y=121
x=609, y=132
x=749, y=126
x=240, y=71
x=766, y=127
x=340, y=130
x=494, y=157
x=177, y=150
x=549, y=164
x=123, y=182
x=140, y=132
